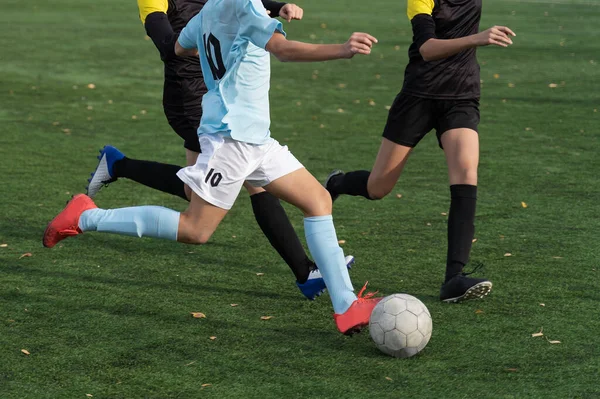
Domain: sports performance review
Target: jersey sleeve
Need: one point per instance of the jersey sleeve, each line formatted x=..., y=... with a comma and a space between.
x=420, y=14
x=255, y=25
x=188, y=38
x=416, y=7
x=147, y=7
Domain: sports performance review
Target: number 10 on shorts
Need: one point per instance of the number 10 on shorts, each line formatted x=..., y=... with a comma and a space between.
x=213, y=178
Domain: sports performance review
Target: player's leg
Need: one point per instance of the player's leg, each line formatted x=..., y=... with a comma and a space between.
x=276, y=226
x=283, y=176
x=216, y=193
x=113, y=164
x=461, y=148
x=408, y=121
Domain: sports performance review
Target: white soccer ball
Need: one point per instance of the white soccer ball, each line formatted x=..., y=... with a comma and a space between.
x=400, y=325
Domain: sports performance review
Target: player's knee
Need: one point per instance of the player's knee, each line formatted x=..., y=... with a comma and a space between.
x=200, y=238
x=379, y=189
x=466, y=174
x=321, y=204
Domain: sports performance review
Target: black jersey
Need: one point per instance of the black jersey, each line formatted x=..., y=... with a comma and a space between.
x=455, y=77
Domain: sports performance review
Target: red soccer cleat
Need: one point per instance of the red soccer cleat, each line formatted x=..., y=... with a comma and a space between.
x=358, y=314
x=66, y=223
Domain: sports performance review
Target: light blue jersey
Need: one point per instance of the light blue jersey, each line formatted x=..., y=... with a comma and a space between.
x=231, y=36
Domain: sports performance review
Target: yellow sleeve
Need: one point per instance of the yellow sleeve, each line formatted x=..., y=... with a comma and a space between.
x=147, y=7
x=416, y=7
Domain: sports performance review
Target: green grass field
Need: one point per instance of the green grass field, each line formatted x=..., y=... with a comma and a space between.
x=109, y=316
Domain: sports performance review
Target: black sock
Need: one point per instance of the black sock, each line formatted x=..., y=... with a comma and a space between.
x=461, y=228
x=276, y=226
x=351, y=183
x=159, y=176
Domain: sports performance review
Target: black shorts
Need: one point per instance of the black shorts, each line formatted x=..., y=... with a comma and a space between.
x=182, y=103
x=186, y=128
x=411, y=118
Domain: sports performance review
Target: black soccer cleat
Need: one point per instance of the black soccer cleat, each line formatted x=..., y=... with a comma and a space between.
x=463, y=288
x=329, y=182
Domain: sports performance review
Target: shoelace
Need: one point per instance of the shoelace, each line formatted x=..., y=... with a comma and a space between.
x=368, y=295
x=477, y=267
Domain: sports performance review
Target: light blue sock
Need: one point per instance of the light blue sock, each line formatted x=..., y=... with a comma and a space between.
x=329, y=257
x=141, y=221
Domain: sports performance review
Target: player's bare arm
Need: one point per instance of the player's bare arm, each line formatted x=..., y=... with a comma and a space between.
x=435, y=49
x=289, y=50
x=431, y=48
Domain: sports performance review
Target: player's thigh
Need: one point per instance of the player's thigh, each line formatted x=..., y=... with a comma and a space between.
x=281, y=174
x=253, y=190
x=302, y=190
x=387, y=169
x=199, y=221
x=461, y=147
x=457, y=132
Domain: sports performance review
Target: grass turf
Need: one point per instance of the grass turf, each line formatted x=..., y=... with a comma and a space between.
x=110, y=316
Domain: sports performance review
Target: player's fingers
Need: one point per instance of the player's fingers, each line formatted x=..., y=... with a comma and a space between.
x=300, y=13
x=498, y=43
x=365, y=41
x=507, y=30
x=371, y=38
x=361, y=48
x=499, y=35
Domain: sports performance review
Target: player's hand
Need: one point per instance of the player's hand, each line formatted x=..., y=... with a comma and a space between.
x=291, y=11
x=496, y=35
x=359, y=43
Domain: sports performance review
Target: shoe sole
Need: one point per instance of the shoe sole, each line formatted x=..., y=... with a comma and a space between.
x=477, y=291
x=336, y=172
x=99, y=176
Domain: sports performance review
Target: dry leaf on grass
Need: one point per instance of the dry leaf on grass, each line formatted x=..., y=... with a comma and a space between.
x=552, y=85
x=553, y=341
x=444, y=214
x=507, y=254
x=542, y=304
x=3, y=245
x=25, y=255
x=91, y=86
x=474, y=240
x=512, y=369
x=398, y=195
x=25, y=351
x=212, y=338
x=198, y=315
x=205, y=385
x=523, y=204
x=89, y=395
x=233, y=305
x=496, y=76
x=341, y=242
x=260, y=274
x=190, y=363
x=478, y=311
x=266, y=317
x=539, y=333
x=388, y=378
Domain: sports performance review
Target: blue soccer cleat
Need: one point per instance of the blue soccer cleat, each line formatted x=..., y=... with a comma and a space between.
x=103, y=174
x=315, y=285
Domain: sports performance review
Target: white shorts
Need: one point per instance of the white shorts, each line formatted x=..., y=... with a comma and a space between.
x=224, y=165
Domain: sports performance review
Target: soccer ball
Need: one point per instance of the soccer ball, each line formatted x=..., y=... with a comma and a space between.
x=400, y=325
